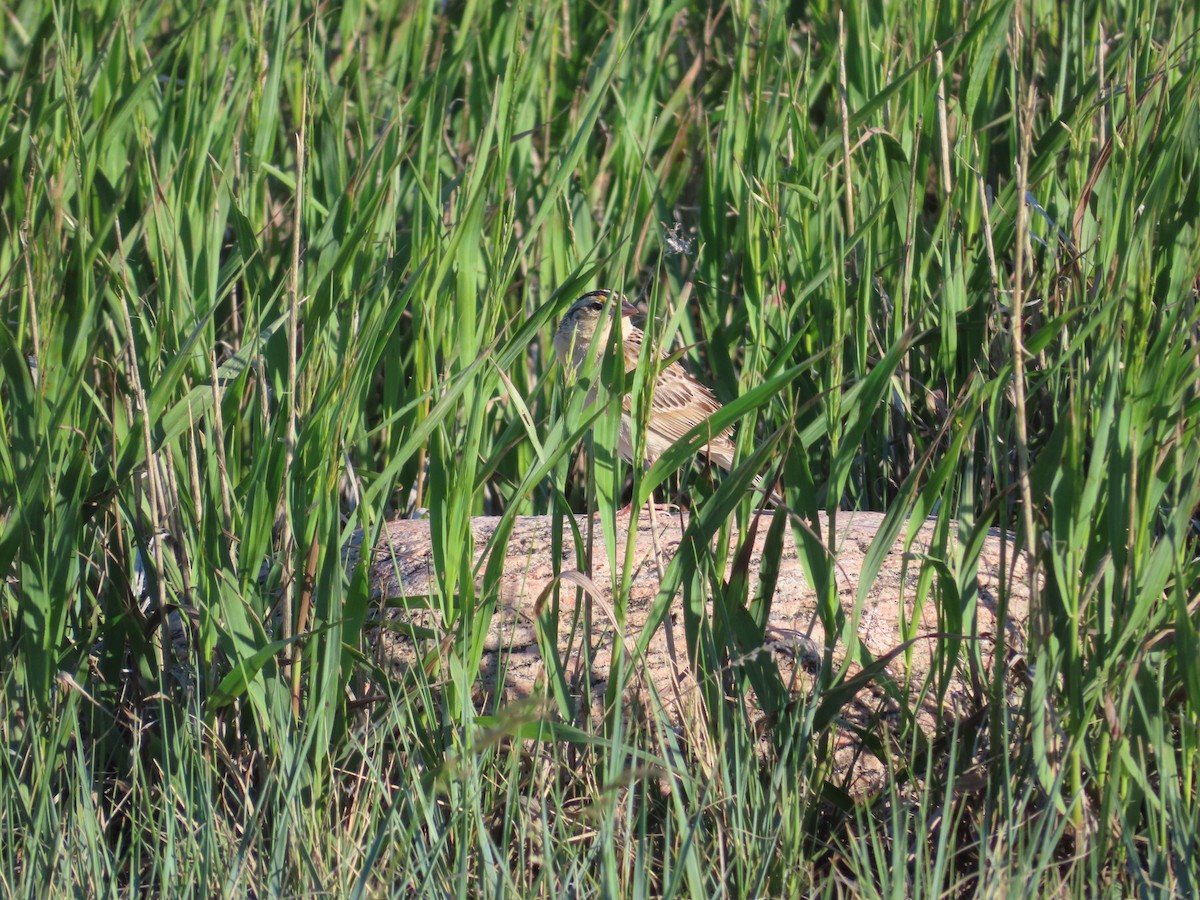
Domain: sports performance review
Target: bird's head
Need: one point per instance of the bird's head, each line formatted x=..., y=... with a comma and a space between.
x=586, y=323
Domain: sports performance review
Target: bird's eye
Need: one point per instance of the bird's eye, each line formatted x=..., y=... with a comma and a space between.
x=597, y=305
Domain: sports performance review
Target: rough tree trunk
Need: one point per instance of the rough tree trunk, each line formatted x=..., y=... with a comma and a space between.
x=513, y=666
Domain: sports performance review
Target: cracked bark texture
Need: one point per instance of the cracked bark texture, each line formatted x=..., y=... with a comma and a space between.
x=513, y=666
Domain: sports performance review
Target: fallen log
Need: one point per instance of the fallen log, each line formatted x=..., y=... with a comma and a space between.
x=514, y=668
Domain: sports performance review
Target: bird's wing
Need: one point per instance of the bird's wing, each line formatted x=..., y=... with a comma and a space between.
x=680, y=402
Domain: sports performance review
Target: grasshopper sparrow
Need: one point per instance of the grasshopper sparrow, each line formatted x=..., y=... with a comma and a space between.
x=679, y=402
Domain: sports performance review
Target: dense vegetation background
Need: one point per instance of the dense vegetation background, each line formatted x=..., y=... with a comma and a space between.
x=273, y=274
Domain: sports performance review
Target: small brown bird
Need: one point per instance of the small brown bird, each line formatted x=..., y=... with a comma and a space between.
x=679, y=401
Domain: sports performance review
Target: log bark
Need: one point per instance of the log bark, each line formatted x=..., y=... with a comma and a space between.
x=514, y=668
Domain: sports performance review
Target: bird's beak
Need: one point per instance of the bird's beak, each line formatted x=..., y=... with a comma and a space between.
x=627, y=308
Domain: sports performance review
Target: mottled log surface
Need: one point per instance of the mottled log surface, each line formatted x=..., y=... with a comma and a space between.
x=513, y=667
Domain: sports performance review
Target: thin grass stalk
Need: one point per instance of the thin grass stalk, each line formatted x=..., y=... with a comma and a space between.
x=293, y=587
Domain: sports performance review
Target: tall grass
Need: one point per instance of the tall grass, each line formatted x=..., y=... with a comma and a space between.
x=272, y=275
